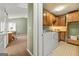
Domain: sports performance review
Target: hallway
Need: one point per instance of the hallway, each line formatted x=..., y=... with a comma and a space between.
x=17, y=47
x=65, y=49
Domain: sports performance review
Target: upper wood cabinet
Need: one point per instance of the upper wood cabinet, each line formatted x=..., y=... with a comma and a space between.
x=56, y=23
x=48, y=18
x=60, y=21
x=73, y=16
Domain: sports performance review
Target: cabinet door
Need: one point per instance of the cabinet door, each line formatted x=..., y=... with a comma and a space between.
x=56, y=23
x=51, y=19
x=73, y=16
x=60, y=21
x=48, y=18
x=62, y=36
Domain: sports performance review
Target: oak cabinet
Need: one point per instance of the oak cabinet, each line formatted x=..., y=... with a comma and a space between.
x=48, y=18
x=61, y=36
x=60, y=21
x=56, y=22
x=73, y=16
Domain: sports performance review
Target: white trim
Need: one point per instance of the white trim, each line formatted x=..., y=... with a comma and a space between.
x=29, y=52
x=40, y=28
x=37, y=29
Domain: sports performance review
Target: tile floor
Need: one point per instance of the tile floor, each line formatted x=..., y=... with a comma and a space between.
x=65, y=49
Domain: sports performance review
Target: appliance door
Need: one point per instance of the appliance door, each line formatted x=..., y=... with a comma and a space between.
x=47, y=44
x=50, y=42
x=54, y=40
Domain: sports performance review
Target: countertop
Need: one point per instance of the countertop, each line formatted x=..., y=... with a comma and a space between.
x=58, y=28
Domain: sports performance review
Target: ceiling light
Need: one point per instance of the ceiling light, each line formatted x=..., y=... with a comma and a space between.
x=59, y=8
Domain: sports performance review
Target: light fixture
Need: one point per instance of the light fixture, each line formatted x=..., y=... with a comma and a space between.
x=44, y=14
x=59, y=8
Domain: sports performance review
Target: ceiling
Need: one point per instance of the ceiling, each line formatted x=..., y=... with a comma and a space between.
x=14, y=10
x=61, y=8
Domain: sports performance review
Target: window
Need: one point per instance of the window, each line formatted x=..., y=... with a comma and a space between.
x=11, y=26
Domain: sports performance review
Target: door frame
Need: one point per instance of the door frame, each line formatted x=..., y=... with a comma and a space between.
x=37, y=29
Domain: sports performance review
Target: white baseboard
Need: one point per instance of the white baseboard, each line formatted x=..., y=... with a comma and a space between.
x=29, y=52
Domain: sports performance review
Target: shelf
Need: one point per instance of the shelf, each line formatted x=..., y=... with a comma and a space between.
x=74, y=42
